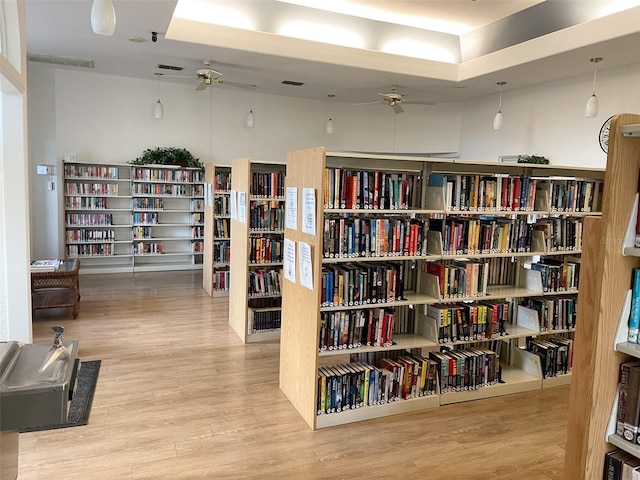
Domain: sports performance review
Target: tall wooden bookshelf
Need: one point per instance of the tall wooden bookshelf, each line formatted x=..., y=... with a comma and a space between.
x=217, y=226
x=303, y=308
x=255, y=296
x=608, y=261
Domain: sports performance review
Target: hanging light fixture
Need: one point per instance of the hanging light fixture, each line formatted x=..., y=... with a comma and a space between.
x=103, y=17
x=591, y=109
x=497, y=120
x=158, y=110
x=251, y=119
x=329, y=127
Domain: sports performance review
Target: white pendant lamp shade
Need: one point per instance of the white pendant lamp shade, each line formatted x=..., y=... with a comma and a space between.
x=103, y=17
x=251, y=119
x=158, y=110
x=329, y=127
x=591, y=108
x=497, y=120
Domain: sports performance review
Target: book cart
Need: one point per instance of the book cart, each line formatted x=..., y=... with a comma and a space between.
x=603, y=304
x=217, y=230
x=312, y=372
x=122, y=218
x=256, y=242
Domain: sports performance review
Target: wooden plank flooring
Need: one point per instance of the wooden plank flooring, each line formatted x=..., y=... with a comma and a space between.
x=179, y=397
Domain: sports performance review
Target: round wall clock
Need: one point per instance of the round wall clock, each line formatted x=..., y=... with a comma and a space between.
x=603, y=137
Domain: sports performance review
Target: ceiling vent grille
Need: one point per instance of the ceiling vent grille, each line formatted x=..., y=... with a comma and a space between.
x=55, y=60
x=170, y=67
x=291, y=82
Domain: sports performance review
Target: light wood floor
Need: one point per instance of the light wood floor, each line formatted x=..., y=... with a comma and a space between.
x=179, y=397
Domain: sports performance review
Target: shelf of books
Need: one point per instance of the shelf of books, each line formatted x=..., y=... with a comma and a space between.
x=257, y=223
x=398, y=266
x=604, y=343
x=217, y=228
x=168, y=218
x=98, y=223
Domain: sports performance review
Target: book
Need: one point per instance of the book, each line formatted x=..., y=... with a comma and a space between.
x=613, y=462
x=634, y=315
x=45, y=265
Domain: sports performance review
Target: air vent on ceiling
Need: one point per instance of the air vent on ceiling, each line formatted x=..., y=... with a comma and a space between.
x=55, y=60
x=291, y=82
x=170, y=67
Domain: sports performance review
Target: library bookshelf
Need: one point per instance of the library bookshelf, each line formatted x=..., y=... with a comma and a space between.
x=255, y=296
x=217, y=230
x=305, y=362
x=603, y=305
x=123, y=218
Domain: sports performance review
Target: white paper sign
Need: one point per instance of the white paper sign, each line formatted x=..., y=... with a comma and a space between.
x=309, y=211
x=291, y=208
x=306, y=269
x=290, y=260
x=209, y=194
x=242, y=207
x=234, y=205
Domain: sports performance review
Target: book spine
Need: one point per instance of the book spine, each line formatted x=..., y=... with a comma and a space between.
x=634, y=316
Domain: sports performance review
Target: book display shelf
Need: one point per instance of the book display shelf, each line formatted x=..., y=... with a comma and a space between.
x=217, y=230
x=413, y=277
x=601, y=345
x=121, y=218
x=257, y=229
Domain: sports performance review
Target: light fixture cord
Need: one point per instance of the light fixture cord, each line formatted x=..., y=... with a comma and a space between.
x=500, y=101
x=595, y=72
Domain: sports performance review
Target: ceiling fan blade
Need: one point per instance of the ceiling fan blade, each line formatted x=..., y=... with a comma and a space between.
x=201, y=86
x=417, y=102
x=397, y=108
x=246, y=86
x=173, y=76
x=367, y=103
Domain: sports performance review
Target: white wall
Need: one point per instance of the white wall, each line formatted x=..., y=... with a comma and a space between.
x=109, y=119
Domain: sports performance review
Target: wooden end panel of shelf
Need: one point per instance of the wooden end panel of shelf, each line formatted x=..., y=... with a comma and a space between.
x=207, y=262
x=605, y=276
x=300, y=312
x=239, y=275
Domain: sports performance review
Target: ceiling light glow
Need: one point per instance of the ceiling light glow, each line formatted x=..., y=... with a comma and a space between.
x=411, y=48
x=321, y=33
x=618, y=6
x=212, y=13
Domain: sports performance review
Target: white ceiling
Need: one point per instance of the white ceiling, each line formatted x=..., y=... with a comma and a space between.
x=522, y=42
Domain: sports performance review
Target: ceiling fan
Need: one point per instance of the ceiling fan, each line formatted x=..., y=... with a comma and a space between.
x=208, y=76
x=394, y=99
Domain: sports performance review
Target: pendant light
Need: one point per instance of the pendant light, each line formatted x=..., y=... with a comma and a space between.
x=591, y=109
x=103, y=17
x=497, y=120
x=329, y=128
x=158, y=110
x=251, y=119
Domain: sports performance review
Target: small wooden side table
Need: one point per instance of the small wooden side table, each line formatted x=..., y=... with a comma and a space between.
x=57, y=289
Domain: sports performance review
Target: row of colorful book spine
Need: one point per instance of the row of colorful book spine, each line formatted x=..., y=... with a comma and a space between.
x=262, y=321
x=97, y=203
x=558, y=275
x=220, y=280
x=147, y=248
x=478, y=193
x=222, y=181
x=90, y=235
x=466, y=368
x=556, y=354
x=470, y=321
x=166, y=175
x=221, y=252
x=266, y=215
x=352, y=237
x=267, y=185
x=75, y=188
x=362, y=189
x=349, y=386
x=265, y=250
x=264, y=282
x=222, y=205
x=554, y=313
x=460, y=278
x=221, y=227
x=575, y=195
x=354, y=328
x=90, y=171
x=359, y=283
x=100, y=249
x=89, y=219
x=169, y=190
x=148, y=203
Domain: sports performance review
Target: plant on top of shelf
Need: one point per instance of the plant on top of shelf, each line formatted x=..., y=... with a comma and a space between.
x=533, y=159
x=168, y=156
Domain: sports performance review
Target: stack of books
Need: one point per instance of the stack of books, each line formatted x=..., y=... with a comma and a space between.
x=45, y=265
